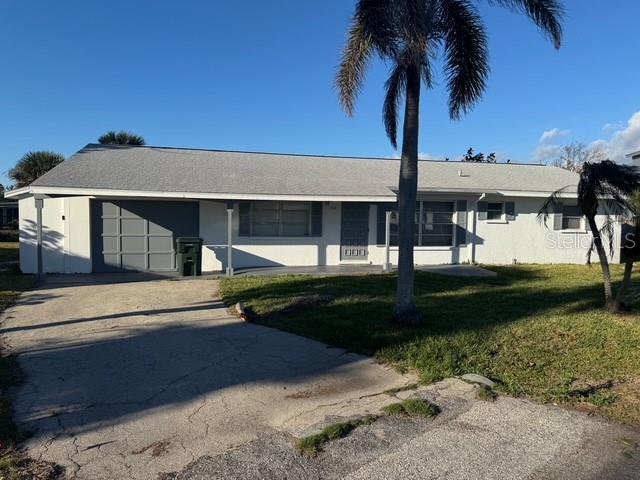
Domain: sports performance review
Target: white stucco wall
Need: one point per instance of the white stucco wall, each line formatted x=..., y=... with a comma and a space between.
x=525, y=240
x=66, y=235
x=267, y=251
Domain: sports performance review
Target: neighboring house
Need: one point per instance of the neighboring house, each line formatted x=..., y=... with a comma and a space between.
x=634, y=155
x=112, y=208
x=8, y=214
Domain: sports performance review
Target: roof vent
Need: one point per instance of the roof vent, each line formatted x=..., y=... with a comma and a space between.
x=460, y=173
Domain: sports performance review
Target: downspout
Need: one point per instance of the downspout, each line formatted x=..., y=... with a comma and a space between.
x=473, y=232
x=229, y=271
x=39, y=205
x=387, y=241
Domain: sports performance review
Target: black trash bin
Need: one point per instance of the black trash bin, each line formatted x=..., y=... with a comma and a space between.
x=189, y=256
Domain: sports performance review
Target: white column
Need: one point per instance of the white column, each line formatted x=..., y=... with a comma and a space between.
x=229, y=240
x=387, y=241
x=39, y=205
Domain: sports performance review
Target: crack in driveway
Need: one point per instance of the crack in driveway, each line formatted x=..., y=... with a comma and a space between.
x=195, y=375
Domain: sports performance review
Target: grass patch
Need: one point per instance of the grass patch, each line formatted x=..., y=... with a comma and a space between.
x=310, y=446
x=538, y=330
x=404, y=388
x=13, y=466
x=486, y=393
x=412, y=407
x=8, y=251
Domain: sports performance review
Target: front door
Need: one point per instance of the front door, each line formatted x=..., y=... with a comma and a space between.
x=354, y=242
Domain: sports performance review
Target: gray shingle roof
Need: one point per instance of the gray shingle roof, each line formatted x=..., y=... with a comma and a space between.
x=159, y=169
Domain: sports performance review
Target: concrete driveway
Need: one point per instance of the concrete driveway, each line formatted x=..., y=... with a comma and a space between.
x=132, y=379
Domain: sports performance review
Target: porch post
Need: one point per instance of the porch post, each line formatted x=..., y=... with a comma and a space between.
x=387, y=240
x=39, y=205
x=229, y=240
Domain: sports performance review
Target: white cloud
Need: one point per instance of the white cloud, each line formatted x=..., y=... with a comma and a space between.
x=545, y=153
x=608, y=128
x=547, y=148
x=622, y=141
x=550, y=135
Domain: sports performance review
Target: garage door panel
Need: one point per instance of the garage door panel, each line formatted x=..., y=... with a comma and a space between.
x=160, y=244
x=110, y=244
x=112, y=260
x=132, y=225
x=139, y=234
x=161, y=261
x=134, y=261
x=134, y=244
x=156, y=229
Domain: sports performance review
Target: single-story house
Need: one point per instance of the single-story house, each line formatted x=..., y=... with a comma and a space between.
x=114, y=208
x=634, y=155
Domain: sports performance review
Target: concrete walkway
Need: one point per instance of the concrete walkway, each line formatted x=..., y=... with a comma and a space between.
x=471, y=439
x=355, y=269
x=126, y=380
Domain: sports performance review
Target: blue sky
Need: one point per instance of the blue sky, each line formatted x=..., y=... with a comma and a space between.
x=258, y=75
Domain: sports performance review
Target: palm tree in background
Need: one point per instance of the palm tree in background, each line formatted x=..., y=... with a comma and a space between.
x=33, y=165
x=121, y=138
x=608, y=189
x=407, y=35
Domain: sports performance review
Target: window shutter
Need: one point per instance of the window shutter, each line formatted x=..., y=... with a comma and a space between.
x=510, y=211
x=461, y=227
x=482, y=210
x=557, y=217
x=383, y=208
x=245, y=219
x=316, y=219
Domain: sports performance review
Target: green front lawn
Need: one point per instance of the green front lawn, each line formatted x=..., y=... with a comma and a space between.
x=538, y=331
x=8, y=251
x=12, y=463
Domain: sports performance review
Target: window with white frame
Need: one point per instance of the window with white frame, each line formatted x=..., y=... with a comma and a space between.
x=280, y=219
x=571, y=217
x=495, y=211
x=434, y=225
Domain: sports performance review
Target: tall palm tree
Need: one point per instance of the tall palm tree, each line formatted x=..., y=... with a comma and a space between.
x=33, y=165
x=121, y=138
x=408, y=34
x=605, y=188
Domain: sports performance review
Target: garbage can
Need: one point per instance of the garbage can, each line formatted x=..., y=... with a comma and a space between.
x=189, y=256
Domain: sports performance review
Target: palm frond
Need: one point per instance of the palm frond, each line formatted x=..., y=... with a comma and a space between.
x=395, y=87
x=121, y=138
x=551, y=205
x=466, y=54
x=353, y=66
x=33, y=165
x=546, y=14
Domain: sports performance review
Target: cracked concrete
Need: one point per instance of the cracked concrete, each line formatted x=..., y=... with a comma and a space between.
x=471, y=439
x=129, y=380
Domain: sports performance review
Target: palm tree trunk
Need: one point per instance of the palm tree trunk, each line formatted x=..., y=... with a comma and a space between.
x=405, y=310
x=626, y=283
x=604, y=263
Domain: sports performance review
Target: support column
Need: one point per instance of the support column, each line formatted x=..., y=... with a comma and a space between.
x=39, y=205
x=229, y=271
x=387, y=241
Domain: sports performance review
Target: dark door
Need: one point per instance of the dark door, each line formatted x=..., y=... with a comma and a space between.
x=354, y=244
x=140, y=235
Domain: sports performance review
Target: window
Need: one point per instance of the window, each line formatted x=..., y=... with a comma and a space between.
x=494, y=211
x=437, y=224
x=434, y=225
x=280, y=219
x=571, y=218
